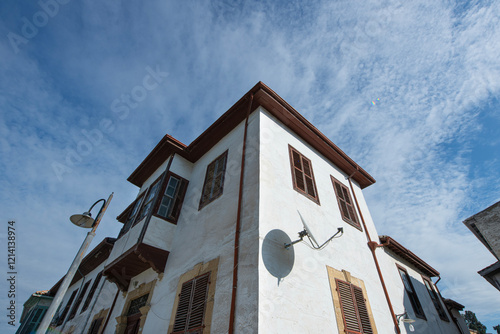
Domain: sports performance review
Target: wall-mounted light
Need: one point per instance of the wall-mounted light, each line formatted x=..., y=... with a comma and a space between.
x=406, y=319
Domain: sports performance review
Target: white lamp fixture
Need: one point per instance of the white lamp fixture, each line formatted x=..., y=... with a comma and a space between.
x=84, y=220
x=404, y=317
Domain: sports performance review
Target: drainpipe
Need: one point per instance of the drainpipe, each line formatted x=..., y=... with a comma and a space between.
x=238, y=223
x=373, y=245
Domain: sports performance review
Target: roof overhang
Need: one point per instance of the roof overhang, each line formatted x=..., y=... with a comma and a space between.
x=93, y=259
x=451, y=304
x=408, y=255
x=264, y=97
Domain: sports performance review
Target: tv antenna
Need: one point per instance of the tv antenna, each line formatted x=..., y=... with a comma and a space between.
x=306, y=232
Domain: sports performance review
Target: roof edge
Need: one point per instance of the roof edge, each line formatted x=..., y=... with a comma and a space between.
x=408, y=255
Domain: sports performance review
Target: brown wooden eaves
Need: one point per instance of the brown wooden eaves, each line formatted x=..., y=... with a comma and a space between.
x=408, y=255
x=279, y=108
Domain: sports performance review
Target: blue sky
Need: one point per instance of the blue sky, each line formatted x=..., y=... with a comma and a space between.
x=410, y=90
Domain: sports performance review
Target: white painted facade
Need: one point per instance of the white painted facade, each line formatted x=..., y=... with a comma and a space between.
x=279, y=290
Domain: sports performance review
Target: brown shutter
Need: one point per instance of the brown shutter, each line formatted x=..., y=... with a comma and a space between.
x=302, y=174
x=346, y=206
x=181, y=316
x=347, y=303
x=191, y=307
x=364, y=318
x=199, y=299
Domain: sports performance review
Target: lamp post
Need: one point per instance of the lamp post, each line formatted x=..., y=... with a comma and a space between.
x=84, y=220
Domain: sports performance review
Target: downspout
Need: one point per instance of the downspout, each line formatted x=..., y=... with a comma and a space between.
x=373, y=245
x=238, y=223
x=110, y=310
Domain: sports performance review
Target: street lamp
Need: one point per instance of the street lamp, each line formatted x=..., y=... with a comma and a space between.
x=82, y=220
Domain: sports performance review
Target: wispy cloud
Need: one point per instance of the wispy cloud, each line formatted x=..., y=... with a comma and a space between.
x=431, y=69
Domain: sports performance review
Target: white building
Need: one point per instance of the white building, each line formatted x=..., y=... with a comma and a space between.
x=202, y=248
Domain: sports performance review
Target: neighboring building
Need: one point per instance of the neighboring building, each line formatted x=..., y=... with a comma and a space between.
x=33, y=311
x=486, y=227
x=89, y=297
x=202, y=248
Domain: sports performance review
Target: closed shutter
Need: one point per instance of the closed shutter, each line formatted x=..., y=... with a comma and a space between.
x=345, y=202
x=191, y=306
x=214, y=180
x=302, y=174
x=354, y=311
x=96, y=325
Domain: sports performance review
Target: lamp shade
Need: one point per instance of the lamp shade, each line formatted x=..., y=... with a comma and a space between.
x=84, y=220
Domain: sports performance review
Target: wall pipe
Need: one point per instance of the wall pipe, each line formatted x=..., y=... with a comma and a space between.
x=238, y=224
x=373, y=245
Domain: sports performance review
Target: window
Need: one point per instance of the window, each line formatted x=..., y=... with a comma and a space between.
x=30, y=325
x=95, y=326
x=91, y=292
x=132, y=215
x=214, y=180
x=346, y=206
x=352, y=309
x=412, y=295
x=435, y=299
x=66, y=309
x=194, y=302
x=191, y=307
x=302, y=175
x=149, y=201
x=172, y=195
x=78, y=301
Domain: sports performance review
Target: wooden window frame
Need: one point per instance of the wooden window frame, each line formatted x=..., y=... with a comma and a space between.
x=180, y=193
x=95, y=326
x=193, y=297
x=349, y=214
x=358, y=301
x=92, y=290
x=131, y=217
x=294, y=170
x=79, y=300
x=436, y=299
x=143, y=210
x=198, y=271
x=141, y=290
x=412, y=295
x=214, y=193
x=67, y=308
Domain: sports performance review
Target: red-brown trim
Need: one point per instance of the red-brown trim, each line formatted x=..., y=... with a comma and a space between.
x=182, y=193
x=274, y=104
x=315, y=199
x=204, y=203
x=377, y=265
x=408, y=255
x=238, y=224
x=357, y=223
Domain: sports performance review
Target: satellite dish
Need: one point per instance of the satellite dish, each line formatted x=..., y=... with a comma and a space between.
x=308, y=230
x=307, y=233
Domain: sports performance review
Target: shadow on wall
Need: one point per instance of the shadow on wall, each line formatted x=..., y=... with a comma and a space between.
x=278, y=260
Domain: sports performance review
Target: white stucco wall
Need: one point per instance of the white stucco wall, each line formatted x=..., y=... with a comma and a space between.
x=433, y=323
x=206, y=234
x=126, y=241
x=105, y=293
x=302, y=301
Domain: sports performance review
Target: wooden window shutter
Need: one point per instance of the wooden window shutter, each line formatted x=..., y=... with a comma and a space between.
x=302, y=175
x=214, y=180
x=346, y=204
x=354, y=311
x=191, y=306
